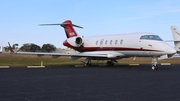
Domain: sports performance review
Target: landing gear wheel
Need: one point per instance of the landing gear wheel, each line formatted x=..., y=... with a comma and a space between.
x=154, y=64
x=87, y=65
x=87, y=62
x=110, y=63
x=154, y=68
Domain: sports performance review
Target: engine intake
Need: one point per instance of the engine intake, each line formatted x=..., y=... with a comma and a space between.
x=75, y=41
x=79, y=41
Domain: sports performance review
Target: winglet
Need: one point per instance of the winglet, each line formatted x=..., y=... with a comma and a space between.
x=11, y=49
x=176, y=33
x=176, y=37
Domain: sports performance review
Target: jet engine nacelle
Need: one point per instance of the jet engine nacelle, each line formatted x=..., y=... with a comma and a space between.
x=75, y=41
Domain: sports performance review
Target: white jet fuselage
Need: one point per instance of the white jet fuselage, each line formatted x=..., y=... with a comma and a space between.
x=123, y=45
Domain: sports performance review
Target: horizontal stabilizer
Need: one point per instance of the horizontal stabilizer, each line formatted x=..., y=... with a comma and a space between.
x=64, y=24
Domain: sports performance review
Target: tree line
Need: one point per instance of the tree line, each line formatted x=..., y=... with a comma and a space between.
x=31, y=47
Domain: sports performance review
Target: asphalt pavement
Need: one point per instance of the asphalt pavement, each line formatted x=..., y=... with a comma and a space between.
x=119, y=83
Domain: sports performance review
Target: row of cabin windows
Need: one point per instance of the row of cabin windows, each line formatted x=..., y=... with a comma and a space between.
x=110, y=42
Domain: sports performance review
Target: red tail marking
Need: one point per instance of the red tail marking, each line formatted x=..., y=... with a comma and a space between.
x=68, y=27
x=11, y=49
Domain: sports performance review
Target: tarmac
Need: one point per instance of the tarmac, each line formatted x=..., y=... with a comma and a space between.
x=119, y=83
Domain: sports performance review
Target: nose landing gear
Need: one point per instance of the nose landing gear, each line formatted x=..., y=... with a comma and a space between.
x=154, y=64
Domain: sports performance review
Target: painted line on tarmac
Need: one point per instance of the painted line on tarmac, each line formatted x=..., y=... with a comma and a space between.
x=35, y=66
x=102, y=65
x=78, y=66
x=4, y=66
x=165, y=63
x=133, y=64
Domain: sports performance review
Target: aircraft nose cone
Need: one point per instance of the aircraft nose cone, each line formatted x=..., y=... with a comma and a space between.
x=171, y=51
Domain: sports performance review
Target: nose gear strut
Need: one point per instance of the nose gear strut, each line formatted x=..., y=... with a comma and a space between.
x=154, y=64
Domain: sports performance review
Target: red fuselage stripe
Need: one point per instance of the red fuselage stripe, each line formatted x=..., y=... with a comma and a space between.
x=84, y=49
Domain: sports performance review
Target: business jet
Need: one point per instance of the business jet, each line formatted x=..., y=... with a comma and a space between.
x=112, y=47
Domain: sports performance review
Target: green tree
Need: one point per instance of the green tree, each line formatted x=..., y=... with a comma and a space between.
x=48, y=48
x=6, y=48
x=15, y=46
x=30, y=47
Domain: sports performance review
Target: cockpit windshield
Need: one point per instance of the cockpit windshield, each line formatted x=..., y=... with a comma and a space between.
x=151, y=37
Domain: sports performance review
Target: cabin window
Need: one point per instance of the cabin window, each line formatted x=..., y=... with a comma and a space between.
x=96, y=42
x=111, y=42
x=101, y=42
x=121, y=42
x=106, y=42
x=116, y=42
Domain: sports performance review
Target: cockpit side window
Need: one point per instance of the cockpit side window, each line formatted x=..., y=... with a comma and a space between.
x=151, y=37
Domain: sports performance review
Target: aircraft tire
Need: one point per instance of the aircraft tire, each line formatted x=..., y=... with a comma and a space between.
x=108, y=63
x=154, y=68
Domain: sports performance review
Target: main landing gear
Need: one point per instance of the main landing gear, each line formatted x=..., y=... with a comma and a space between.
x=110, y=63
x=154, y=64
x=87, y=62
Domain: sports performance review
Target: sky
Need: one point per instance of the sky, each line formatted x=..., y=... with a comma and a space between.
x=19, y=19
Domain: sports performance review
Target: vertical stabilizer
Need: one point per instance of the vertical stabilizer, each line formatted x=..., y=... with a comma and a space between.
x=176, y=37
x=68, y=28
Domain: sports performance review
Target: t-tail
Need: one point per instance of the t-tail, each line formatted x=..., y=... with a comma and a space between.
x=68, y=27
x=176, y=37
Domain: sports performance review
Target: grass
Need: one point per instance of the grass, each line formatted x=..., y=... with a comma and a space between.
x=18, y=60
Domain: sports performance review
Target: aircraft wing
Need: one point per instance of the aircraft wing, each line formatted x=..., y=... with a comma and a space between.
x=177, y=55
x=64, y=54
x=101, y=54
